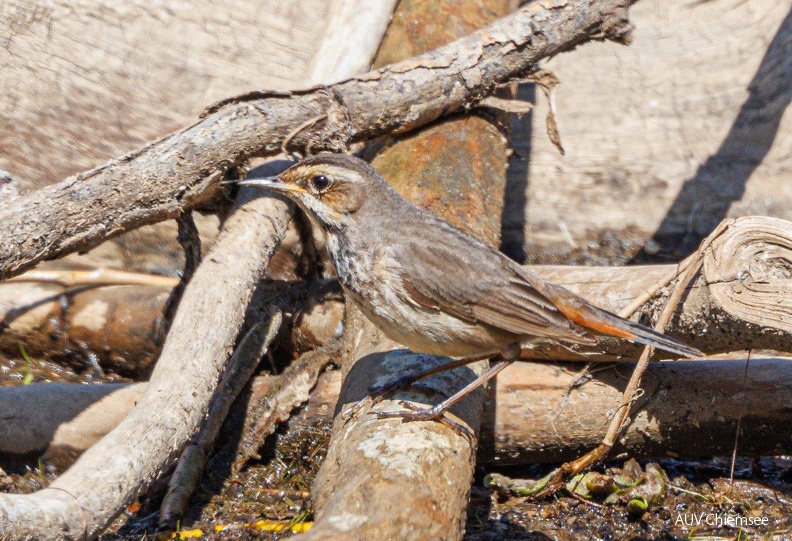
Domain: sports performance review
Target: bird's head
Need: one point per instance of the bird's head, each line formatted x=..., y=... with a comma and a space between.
x=331, y=187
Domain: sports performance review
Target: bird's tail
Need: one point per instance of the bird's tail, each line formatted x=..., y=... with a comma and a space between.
x=646, y=335
x=603, y=322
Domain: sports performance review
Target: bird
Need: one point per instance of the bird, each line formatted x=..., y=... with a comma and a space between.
x=432, y=287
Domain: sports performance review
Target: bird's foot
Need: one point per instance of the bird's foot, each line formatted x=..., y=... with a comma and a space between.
x=411, y=412
x=378, y=393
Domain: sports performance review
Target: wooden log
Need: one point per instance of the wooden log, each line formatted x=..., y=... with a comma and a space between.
x=533, y=414
x=116, y=316
x=62, y=419
x=119, y=325
x=687, y=409
x=384, y=479
x=546, y=412
x=741, y=299
x=145, y=72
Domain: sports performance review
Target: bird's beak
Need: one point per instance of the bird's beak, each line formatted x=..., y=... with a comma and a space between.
x=271, y=183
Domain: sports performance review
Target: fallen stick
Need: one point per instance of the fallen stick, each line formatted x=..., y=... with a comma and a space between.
x=120, y=324
x=192, y=462
x=285, y=393
x=107, y=477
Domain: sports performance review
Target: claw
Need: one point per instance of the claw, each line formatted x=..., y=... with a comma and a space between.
x=411, y=412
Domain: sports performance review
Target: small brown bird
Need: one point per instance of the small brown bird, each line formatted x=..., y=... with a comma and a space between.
x=433, y=288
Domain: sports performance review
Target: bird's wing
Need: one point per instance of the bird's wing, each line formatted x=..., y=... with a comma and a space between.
x=466, y=278
x=486, y=289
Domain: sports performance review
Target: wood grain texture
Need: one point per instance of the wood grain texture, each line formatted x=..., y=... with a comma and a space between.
x=111, y=76
x=689, y=125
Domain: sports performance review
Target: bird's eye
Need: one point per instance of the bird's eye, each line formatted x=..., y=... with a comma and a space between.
x=320, y=183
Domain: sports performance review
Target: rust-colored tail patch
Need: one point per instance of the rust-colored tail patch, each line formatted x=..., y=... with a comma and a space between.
x=576, y=316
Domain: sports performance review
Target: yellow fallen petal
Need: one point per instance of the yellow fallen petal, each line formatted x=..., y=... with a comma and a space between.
x=278, y=526
x=190, y=534
x=301, y=527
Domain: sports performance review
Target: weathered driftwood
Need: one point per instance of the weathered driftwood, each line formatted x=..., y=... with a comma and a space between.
x=119, y=325
x=747, y=262
x=284, y=393
x=387, y=479
x=686, y=409
x=182, y=170
x=64, y=419
x=239, y=369
x=741, y=299
x=61, y=313
x=536, y=412
x=551, y=412
x=86, y=498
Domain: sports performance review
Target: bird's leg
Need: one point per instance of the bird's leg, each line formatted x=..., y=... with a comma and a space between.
x=378, y=393
x=438, y=410
x=404, y=381
x=503, y=360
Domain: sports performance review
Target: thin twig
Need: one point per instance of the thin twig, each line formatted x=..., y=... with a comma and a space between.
x=739, y=425
x=95, y=277
x=190, y=241
x=191, y=465
x=632, y=392
x=651, y=291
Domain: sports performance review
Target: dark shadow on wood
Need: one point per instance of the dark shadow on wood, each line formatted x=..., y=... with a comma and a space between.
x=515, y=196
x=705, y=199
